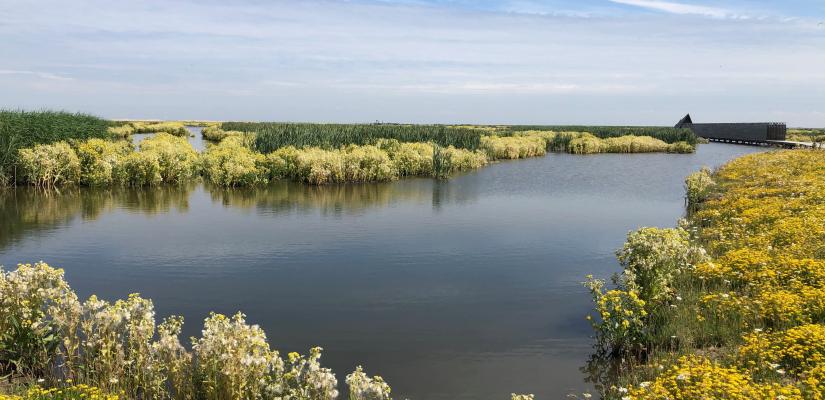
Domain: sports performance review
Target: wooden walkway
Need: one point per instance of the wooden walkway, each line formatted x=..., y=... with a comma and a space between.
x=788, y=144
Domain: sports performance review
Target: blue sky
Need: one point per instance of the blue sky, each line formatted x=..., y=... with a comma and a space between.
x=459, y=61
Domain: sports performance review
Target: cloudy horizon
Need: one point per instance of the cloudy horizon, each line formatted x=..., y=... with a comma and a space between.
x=613, y=62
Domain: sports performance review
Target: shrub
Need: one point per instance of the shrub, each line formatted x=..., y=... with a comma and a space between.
x=99, y=158
x=230, y=164
x=409, y=159
x=585, y=144
x=172, y=128
x=178, y=160
x=216, y=134
x=633, y=144
x=362, y=387
x=513, y=147
x=621, y=318
x=698, y=186
x=681, y=148
x=121, y=132
x=50, y=164
x=449, y=160
x=367, y=164
x=138, y=169
x=652, y=258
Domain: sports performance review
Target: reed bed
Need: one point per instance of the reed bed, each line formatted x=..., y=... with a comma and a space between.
x=729, y=304
x=271, y=136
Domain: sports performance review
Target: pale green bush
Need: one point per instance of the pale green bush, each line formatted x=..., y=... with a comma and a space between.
x=216, y=134
x=121, y=132
x=231, y=164
x=362, y=387
x=585, y=144
x=633, y=144
x=98, y=158
x=367, y=164
x=49, y=164
x=513, y=147
x=681, y=147
x=409, y=159
x=698, y=186
x=138, y=169
x=652, y=258
x=178, y=160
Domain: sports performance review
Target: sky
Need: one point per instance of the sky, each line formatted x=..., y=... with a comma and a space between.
x=612, y=62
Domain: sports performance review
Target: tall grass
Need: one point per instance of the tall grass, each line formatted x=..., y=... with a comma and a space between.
x=272, y=136
x=21, y=129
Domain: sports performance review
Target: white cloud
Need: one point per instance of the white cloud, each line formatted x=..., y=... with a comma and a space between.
x=42, y=75
x=680, y=8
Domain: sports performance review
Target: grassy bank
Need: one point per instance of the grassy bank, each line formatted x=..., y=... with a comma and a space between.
x=731, y=304
x=23, y=129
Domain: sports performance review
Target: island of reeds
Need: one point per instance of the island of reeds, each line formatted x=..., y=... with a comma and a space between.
x=730, y=304
x=49, y=149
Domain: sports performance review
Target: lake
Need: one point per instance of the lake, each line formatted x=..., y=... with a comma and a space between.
x=460, y=289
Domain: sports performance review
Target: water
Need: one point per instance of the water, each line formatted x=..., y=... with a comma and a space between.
x=463, y=289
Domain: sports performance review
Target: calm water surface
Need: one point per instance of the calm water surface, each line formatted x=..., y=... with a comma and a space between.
x=463, y=289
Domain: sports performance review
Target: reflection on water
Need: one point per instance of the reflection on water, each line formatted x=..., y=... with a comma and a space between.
x=467, y=288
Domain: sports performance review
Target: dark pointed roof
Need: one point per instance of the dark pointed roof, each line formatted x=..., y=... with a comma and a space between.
x=685, y=120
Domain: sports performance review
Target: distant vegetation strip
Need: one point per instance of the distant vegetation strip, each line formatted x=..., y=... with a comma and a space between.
x=729, y=305
x=126, y=129
x=272, y=135
x=663, y=133
x=50, y=149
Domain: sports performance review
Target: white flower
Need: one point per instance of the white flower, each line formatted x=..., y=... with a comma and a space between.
x=622, y=390
x=587, y=395
x=644, y=384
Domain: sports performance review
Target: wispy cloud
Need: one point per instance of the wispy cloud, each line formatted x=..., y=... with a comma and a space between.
x=679, y=8
x=42, y=75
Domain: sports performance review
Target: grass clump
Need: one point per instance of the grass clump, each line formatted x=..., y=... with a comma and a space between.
x=409, y=159
x=99, y=159
x=135, y=127
x=513, y=147
x=216, y=134
x=229, y=163
x=49, y=165
x=177, y=159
